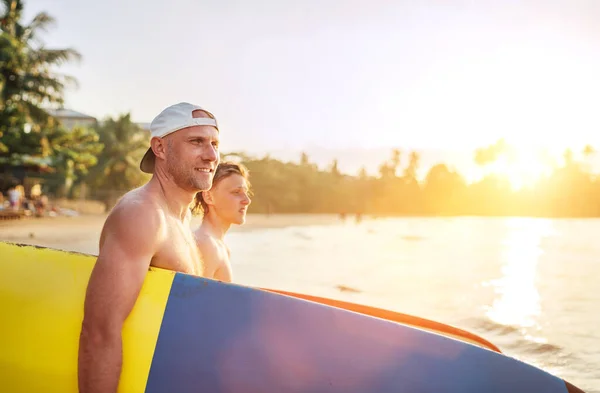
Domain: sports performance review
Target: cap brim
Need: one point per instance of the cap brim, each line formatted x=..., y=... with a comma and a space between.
x=147, y=163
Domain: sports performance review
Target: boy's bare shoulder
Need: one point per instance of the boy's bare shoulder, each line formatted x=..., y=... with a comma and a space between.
x=215, y=255
x=209, y=249
x=204, y=241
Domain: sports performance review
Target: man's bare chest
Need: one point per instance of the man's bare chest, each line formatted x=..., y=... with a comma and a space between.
x=179, y=253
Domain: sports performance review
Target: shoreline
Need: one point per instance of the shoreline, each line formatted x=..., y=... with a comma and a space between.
x=81, y=233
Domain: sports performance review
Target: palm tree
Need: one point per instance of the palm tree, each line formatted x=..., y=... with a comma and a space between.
x=75, y=151
x=588, y=151
x=410, y=172
x=489, y=154
x=334, y=169
x=27, y=83
x=389, y=168
x=117, y=169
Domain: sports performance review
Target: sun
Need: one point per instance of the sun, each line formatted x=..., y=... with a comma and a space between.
x=521, y=166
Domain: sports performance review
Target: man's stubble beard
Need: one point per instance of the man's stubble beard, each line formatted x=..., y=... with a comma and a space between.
x=187, y=178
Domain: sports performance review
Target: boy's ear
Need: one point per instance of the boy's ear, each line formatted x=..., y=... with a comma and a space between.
x=208, y=198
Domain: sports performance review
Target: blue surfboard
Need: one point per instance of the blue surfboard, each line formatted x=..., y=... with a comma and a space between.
x=230, y=338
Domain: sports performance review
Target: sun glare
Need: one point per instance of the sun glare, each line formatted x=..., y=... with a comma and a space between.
x=518, y=302
x=522, y=167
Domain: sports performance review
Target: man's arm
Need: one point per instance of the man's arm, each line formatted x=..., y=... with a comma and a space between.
x=130, y=239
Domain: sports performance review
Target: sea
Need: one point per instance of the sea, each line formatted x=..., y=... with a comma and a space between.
x=528, y=285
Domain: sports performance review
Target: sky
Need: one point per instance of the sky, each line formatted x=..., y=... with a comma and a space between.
x=348, y=79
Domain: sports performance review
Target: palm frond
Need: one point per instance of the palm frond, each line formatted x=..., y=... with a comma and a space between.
x=36, y=114
x=45, y=57
x=40, y=22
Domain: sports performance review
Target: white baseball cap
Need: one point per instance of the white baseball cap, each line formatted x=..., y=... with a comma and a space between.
x=174, y=118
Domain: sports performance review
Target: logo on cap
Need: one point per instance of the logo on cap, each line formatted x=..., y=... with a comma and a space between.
x=171, y=119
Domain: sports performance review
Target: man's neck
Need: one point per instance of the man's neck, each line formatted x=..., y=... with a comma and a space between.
x=178, y=200
x=215, y=225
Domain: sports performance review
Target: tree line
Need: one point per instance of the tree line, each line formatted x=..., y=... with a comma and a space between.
x=102, y=163
x=300, y=187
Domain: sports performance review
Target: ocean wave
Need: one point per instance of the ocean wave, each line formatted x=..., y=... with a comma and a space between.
x=411, y=238
x=515, y=339
x=488, y=325
x=302, y=235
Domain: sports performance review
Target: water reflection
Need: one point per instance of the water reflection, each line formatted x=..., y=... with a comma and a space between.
x=517, y=301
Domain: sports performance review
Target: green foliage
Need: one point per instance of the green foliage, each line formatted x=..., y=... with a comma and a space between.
x=73, y=153
x=27, y=83
x=79, y=146
x=117, y=169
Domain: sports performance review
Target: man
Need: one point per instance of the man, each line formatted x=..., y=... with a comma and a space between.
x=224, y=205
x=149, y=226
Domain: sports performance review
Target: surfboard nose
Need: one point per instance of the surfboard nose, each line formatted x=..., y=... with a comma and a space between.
x=572, y=388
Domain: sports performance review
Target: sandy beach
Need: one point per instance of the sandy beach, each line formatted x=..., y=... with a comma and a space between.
x=81, y=233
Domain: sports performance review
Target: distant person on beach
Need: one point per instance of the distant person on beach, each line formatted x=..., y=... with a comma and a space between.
x=225, y=204
x=14, y=198
x=149, y=226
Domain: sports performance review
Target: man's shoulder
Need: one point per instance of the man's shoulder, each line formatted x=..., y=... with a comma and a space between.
x=136, y=210
x=138, y=200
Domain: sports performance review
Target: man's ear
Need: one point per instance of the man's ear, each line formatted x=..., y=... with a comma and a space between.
x=159, y=147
